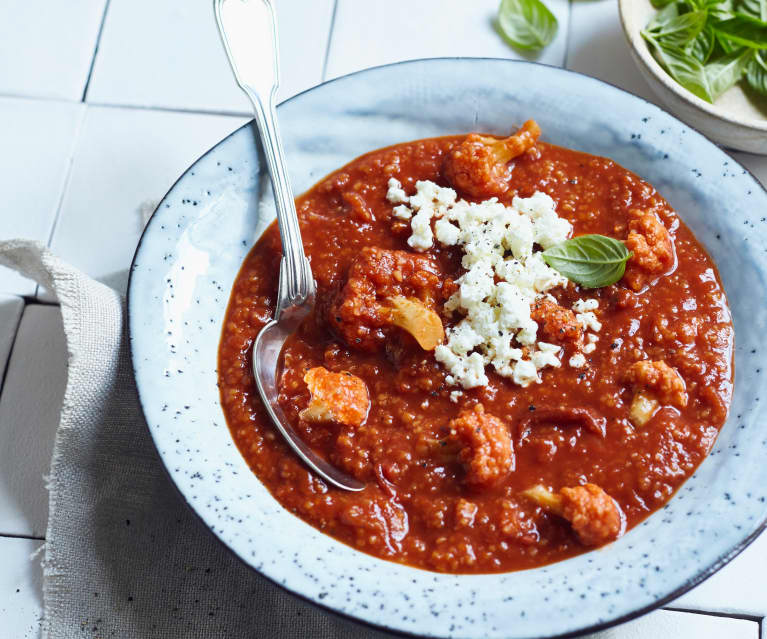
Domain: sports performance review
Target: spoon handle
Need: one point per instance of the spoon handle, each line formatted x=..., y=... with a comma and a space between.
x=248, y=30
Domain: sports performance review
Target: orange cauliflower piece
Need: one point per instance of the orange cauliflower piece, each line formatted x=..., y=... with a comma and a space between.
x=335, y=397
x=595, y=517
x=486, y=449
x=364, y=312
x=478, y=166
x=556, y=322
x=652, y=247
x=664, y=381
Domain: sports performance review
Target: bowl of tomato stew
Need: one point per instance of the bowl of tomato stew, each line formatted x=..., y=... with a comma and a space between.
x=522, y=345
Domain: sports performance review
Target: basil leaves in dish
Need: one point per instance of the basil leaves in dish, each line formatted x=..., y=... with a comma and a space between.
x=708, y=46
x=592, y=261
x=528, y=24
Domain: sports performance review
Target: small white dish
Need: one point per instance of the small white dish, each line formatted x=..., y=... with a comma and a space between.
x=734, y=121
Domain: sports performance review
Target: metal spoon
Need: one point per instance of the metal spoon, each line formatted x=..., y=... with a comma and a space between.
x=248, y=30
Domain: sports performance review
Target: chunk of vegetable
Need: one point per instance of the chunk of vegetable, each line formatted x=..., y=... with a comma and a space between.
x=416, y=318
x=545, y=498
x=643, y=408
x=335, y=397
x=478, y=165
x=595, y=516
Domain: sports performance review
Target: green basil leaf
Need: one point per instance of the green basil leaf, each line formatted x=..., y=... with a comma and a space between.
x=682, y=29
x=719, y=9
x=754, y=8
x=724, y=44
x=684, y=68
x=664, y=16
x=702, y=45
x=725, y=72
x=592, y=261
x=756, y=73
x=743, y=30
x=528, y=24
x=659, y=4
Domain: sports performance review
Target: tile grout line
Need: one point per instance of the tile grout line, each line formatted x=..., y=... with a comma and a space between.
x=4, y=370
x=165, y=109
x=95, y=50
x=569, y=34
x=330, y=39
x=139, y=107
x=65, y=183
x=758, y=619
x=13, y=536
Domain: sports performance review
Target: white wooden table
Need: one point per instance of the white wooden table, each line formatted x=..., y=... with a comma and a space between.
x=103, y=103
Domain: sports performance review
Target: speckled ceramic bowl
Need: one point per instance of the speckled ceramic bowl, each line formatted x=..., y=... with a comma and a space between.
x=735, y=120
x=194, y=245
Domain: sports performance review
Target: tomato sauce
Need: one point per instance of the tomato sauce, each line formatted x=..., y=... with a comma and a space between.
x=420, y=505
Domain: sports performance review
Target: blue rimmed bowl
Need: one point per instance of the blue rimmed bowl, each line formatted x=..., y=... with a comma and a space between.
x=198, y=237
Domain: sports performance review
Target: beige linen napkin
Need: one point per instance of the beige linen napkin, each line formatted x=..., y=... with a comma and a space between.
x=124, y=556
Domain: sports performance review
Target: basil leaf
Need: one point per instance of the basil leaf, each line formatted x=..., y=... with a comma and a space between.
x=684, y=68
x=680, y=30
x=744, y=30
x=659, y=4
x=589, y=260
x=754, y=8
x=528, y=24
x=756, y=73
x=702, y=45
x=725, y=72
x=663, y=17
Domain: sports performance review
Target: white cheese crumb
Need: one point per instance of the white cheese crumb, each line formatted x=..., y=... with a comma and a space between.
x=422, y=236
x=455, y=395
x=446, y=232
x=402, y=212
x=504, y=276
x=546, y=355
x=589, y=348
x=396, y=194
x=525, y=373
x=581, y=306
x=592, y=338
x=577, y=361
x=589, y=321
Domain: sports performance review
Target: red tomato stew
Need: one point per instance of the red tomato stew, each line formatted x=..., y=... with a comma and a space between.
x=502, y=415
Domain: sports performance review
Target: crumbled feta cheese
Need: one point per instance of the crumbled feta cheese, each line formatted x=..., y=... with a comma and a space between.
x=549, y=228
x=455, y=395
x=578, y=360
x=504, y=276
x=396, y=194
x=589, y=348
x=592, y=338
x=546, y=355
x=470, y=371
x=446, y=232
x=589, y=321
x=581, y=306
x=422, y=236
x=402, y=212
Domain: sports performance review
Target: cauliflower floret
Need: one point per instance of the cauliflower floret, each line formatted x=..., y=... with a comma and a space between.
x=653, y=250
x=478, y=166
x=661, y=380
x=556, y=322
x=363, y=312
x=486, y=449
x=595, y=516
x=335, y=397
